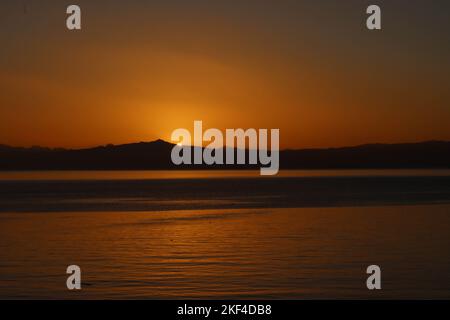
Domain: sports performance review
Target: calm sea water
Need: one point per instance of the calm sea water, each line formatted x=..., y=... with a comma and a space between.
x=218, y=234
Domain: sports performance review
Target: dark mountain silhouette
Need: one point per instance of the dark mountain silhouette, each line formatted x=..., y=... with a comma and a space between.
x=429, y=154
x=156, y=155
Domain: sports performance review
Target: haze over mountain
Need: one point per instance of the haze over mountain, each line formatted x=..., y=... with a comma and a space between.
x=156, y=155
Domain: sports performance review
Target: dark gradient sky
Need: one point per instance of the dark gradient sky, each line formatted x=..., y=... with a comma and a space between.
x=140, y=69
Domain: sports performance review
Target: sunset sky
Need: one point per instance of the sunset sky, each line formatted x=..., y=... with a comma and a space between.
x=140, y=69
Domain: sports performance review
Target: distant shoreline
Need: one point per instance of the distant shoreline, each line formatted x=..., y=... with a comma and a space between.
x=156, y=156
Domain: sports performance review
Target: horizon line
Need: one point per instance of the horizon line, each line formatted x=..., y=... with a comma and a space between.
x=159, y=140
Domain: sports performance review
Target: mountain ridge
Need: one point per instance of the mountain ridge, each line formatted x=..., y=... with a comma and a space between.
x=156, y=155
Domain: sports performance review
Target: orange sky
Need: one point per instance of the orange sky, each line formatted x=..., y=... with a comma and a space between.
x=137, y=71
